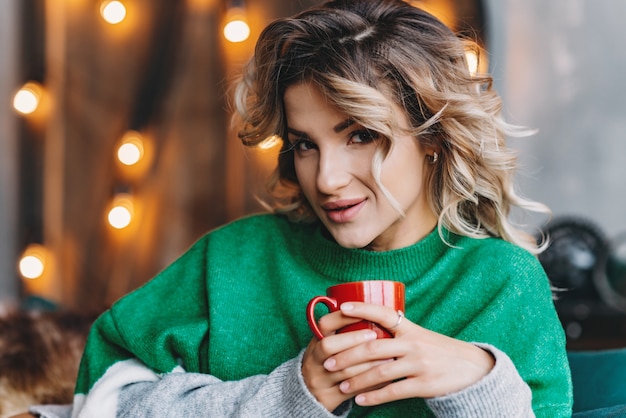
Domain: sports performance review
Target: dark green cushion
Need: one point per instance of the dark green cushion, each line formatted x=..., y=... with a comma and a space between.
x=599, y=379
x=610, y=412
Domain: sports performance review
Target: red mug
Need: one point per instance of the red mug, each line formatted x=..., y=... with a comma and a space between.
x=379, y=292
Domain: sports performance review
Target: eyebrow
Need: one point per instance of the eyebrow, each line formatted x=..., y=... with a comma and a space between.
x=343, y=125
x=337, y=128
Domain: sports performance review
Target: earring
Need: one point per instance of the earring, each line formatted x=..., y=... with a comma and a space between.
x=435, y=157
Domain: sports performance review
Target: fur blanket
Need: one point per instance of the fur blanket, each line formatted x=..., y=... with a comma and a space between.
x=39, y=357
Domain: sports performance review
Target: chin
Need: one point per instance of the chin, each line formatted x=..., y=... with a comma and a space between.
x=351, y=241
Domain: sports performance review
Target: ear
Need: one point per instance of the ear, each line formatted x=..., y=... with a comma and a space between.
x=433, y=154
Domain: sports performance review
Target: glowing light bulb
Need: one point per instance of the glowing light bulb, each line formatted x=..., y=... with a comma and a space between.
x=31, y=267
x=121, y=214
x=129, y=154
x=32, y=264
x=237, y=30
x=130, y=151
x=113, y=11
x=270, y=142
x=27, y=99
x=119, y=217
x=472, y=61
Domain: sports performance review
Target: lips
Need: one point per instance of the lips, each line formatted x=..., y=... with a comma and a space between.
x=343, y=210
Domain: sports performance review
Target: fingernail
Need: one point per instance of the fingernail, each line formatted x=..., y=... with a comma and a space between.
x=347, y=306
x=344, y=387
x=329, y=363
x=360, y=399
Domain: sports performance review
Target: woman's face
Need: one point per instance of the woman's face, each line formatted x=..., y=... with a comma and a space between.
x=333, y=160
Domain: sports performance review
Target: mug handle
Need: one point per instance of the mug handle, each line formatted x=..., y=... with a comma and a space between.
x=310, y=312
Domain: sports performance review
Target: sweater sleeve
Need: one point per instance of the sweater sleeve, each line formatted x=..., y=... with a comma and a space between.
x=500, y=393
x=282, y=393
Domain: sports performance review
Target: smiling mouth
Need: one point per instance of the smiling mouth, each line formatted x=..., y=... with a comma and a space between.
x=345, y=211
x=340, y=208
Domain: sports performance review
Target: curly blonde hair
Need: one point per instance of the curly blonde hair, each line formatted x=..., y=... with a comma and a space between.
x=369, y=57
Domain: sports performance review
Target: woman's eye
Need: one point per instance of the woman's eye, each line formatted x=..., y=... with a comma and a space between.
x=363, y=137
x=301, y=145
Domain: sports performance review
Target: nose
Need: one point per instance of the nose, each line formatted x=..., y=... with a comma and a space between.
x=333, y=172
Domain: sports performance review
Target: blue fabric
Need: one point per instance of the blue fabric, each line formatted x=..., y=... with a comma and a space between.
x=599, y=380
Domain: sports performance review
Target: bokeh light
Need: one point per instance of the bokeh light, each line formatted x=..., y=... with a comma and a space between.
x=472, y=61
x=237, y=30
x=113, y=12
x=121, y=213
x=32, y=264
x=270, y=142
x=27, y=98
x=130, y=150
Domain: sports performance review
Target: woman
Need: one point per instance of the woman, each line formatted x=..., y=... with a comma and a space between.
x=393, y=166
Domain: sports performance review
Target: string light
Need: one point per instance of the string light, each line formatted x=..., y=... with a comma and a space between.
x=27, y=98
x=112, y=12
x=472, y=61
x=131, y=150
x=32, y=264
x=31, y=267
x=129, y=154
x=237, y=30
x=122, y=211
x=270, y=142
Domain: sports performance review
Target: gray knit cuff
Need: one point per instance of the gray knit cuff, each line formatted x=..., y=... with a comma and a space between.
x=51, y=411
x=300, y=401
x=501, y=393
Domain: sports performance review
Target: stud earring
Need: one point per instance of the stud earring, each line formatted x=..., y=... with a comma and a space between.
x=435, y=157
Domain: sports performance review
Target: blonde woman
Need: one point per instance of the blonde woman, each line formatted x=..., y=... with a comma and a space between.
x=393, y=166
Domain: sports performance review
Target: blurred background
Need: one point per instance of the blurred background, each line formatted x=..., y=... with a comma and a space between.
x=116, y=152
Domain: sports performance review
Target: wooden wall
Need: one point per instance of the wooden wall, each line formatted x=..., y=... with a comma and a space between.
x=163, y=72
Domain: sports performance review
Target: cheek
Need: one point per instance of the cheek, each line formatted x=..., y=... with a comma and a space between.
x=305, y=175
x=403, y=172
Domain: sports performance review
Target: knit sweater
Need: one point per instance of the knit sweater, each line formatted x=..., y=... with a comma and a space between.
x=221, y=331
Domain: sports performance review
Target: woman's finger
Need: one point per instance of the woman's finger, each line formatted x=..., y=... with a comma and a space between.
x=332, y=322
x=334, y=344
x=388, y=318
x=381, y=375
x=380, y=350
x=393, y=391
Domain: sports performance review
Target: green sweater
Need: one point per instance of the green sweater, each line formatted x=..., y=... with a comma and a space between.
x=233, y=307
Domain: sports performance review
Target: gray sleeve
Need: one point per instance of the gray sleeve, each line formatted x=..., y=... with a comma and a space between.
x=501, y=393
x=282, y=393
x=51, y=411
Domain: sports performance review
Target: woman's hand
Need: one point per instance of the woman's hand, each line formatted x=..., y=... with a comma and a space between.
x=425, y=364
x=321, y=375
